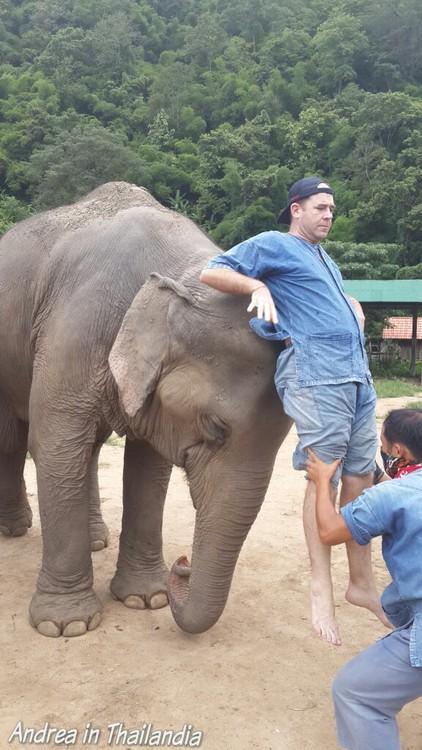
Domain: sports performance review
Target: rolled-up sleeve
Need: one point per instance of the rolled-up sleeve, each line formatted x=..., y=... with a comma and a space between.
x=363, y=519
x=243, y=258
x=258, y=257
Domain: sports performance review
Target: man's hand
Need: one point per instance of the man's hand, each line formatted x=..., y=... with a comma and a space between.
x=359, y=312
x=331, y=526
x=318, y=471
x=263, y=301
x=232, y=282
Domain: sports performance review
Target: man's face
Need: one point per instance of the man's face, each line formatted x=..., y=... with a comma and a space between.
x=386, y=447
x=312, y=218
x=398, y=450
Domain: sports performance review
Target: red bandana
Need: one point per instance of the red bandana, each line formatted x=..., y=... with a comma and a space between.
x=404, y=470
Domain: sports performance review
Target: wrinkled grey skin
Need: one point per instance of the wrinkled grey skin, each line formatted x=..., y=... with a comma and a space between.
x=89, y=344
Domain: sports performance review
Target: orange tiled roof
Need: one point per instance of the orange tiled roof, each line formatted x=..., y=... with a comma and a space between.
x=401, y=328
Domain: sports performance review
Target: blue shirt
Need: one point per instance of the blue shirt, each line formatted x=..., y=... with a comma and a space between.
x=313, y=308
x=393, y=510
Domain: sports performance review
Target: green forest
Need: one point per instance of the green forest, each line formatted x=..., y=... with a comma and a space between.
x=216, y=108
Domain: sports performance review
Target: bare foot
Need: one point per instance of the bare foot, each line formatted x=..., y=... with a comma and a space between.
x=369, y=599
x=323, y=619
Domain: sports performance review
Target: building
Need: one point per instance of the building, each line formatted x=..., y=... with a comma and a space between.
x=397, y=294
x=398, y=332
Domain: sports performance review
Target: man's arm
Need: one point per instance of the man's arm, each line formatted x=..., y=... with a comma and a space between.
x=233, y=282
x=380, y=475
x=227, y=280
x=331, y=526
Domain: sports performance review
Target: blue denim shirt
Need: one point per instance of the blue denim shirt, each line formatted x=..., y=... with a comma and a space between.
x=313, y=308
x=393, y=510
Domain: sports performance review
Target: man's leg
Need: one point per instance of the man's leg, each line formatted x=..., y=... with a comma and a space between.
x=323, y=416
x=322, y=601
x=357, y=476
x=361, y=591
x=371, y=689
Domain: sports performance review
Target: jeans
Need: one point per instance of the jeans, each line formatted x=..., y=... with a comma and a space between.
x=371, y=689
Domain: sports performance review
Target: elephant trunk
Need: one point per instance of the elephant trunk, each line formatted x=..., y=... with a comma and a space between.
x=198, y=593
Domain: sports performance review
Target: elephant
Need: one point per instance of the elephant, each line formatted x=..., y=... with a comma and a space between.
x=105, y=326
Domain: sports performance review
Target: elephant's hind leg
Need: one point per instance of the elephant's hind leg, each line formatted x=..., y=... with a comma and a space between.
x=15, y=512
x=98, y=531
x=141, y=577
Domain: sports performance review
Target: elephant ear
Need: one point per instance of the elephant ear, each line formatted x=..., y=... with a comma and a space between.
x=143, y=342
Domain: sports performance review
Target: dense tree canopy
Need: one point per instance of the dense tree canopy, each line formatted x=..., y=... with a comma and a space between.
x=216, y=108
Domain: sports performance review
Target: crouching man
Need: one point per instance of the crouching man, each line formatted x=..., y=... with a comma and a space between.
x=372, y=688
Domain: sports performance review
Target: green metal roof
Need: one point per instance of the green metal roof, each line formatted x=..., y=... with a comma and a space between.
x=403, y=291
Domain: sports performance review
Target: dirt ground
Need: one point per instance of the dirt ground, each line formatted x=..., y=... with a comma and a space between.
x=258, y=679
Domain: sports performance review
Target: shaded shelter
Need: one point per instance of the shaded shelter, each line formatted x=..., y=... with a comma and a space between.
x=403, y=294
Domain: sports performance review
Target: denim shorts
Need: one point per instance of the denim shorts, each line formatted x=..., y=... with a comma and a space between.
x=336, y=421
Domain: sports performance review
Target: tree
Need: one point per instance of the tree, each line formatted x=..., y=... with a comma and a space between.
x=282, y=51
x=365, y=260
x=411, y=228
x=169, y=91
x=255, y=218
x=159, y=133
x=338, y=47
x=395, y=29
x=205, y=41
x=258, y=13
x=11, y=211
x=308, y=139
x=410, y=272
x=75, y=163
x=113, y=46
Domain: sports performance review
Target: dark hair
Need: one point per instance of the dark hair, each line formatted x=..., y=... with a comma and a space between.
x=405, y=426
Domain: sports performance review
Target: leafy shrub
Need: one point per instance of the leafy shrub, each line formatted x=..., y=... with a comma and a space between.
x=394, y=368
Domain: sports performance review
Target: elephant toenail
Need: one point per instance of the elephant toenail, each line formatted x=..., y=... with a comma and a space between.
x=75, y=628
x=50, y=629
x=95, y=621
x=98, y=545
x=135, y=602
x=158, y=600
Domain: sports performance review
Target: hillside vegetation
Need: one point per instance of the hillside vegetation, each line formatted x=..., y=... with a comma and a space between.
x=216, y=108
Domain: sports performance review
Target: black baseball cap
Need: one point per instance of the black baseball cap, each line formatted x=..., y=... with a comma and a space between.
x=302, y=189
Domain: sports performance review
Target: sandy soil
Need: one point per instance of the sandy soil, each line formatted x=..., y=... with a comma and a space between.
x=258, y=679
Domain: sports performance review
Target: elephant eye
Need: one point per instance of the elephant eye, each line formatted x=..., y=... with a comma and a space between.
x=213, y=429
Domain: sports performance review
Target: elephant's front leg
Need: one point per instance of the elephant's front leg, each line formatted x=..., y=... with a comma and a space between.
x=141, y=576
x=64, y=602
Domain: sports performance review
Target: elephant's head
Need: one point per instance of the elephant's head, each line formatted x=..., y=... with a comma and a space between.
x=196, y=383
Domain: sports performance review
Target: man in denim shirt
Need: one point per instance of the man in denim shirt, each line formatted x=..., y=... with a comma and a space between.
x=374, y=686
x=322, y=374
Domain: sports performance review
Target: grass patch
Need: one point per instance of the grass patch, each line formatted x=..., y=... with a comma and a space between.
x=395, y=387
x=116, y=440
x=414, y=405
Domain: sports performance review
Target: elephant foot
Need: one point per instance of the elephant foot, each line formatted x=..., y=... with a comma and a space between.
x=142, y=590
x=16, y=521
x=65, y=614
x=99, y=536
